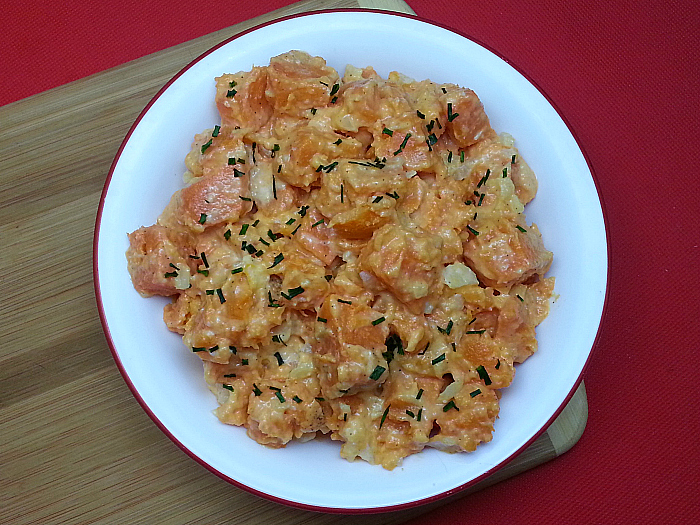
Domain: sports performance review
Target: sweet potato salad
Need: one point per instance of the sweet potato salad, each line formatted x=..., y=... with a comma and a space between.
x=350, y=258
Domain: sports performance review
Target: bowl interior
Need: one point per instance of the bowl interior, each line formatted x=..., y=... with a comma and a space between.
x=168, y=379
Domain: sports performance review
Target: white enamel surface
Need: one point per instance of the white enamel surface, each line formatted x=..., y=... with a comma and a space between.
x=168, y=377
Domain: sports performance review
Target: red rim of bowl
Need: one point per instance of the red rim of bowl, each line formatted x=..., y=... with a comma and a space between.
x=304, y=506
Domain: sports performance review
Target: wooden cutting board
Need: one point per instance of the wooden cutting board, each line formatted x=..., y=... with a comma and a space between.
x=75, y=446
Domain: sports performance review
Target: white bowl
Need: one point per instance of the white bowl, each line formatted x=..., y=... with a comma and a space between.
x=167, y=379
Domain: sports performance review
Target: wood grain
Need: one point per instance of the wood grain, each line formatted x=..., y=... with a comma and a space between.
x=75, y=446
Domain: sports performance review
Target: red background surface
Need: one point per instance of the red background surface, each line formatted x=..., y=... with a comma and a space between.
x=626, y=76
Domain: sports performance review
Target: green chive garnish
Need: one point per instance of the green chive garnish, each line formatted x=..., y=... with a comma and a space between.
x=215, y=133
x=202, y=218
x=403, y=144
x=278, y=259
x=221, y=295
x=322, y=319
x=228, y=387
x=237, y=173
x=475, y=331
x=386, y=413
x=231, y=93
x=472, y=230
x=449, y=405
x=297, y=399
x=317, y=223
x=387, y=131
x=451, y=116
x=293, y=292
x=420, y=115
x=377, y=373
x=521, y=228
x=247, y=199
x=483, y=374
x=438, y=359
x=236, y=270
x=377, y=321
x=244, y=229
x=344, y=302
x=475, y=393
x=420, y=393
x=198, y=349
x=206, y=146
x=205, y=273
x=256, y=390
x=170, y=274
x=280, y=361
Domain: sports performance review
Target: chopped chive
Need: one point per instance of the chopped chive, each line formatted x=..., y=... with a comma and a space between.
x=483, y=374
x=227, y=234
x=328, y=277
x=263, y=241
x=475, y=331
x=313, y=111
x=322, y=319
x=244, y=362
x=431, y=140
x=505, y=172
x=202, y=218
x=342, y=189
x=403, y=144
x=231, y=93
x=449, y=405
x=256, y=390
x=279, y=168
x=444, y=90
x=297, y=399
x=220, y=293
x=377, y=373
x=468, y=202
x=232, y=83
x=454, y=347
x=376, y=164
x=229, y=375
x=275, y=149
x=386, y=413
x=228, y=387
x=344, y=302
x=521, y=299
x=280, y=396
x=481, y=199
x=278, y=259
x=393, y=345
x=337, y=142
x=334, y=100
x=205, y=146
x=330, y=167
x=272, y=303
x=451, y=116
x=449, y=156
x=257, y=221
x=447, y=329
x=205, y=273
x=461, y=156
x=247, y=199
x=236, y=270
x=345, y=416
x=198, y=349
x=293, y=292
x=253, y=146
x=377, y=199
x=244, y=229
x=377, y=321
x=296, y=229
x=472, y=230
x=521, y=228
x=410, y=414
x=319, y=399
x=195, y=256
x=498, y=364
x=170, y=274
x=280, y=361
x=420, y=115
x=271, y=235
x=213, y=349
x=250, y=249
x=430, y=126
x=238, y=173
x=484, y=179
x=472, y=321
x=290, y=221
x=240, y=161
x=425, y=349
x=278, y=339
x=512, y=159
x=233, y=350
x=302, y=210
x=387, y=131
x=420, y=413
x=393, y=195
x=231, y=161
x=215, y=133
x=420, y=393
x=317, y=223
x=210, y=292
x=438, y=359
x=475, y=393
x=335, y=89
x=259, y=253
